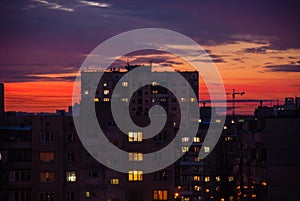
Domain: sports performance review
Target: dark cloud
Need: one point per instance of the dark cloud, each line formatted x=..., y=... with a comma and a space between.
x=258, y=50
x=283, y=68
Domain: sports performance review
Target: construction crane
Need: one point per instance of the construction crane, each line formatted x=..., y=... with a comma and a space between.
x=233, y=100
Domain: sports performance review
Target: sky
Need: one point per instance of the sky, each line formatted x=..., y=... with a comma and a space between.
x=254, y=44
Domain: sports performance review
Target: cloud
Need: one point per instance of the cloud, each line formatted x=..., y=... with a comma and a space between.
x=53, y=5
x=283, y=68
x=95, y=4
x=256, y=50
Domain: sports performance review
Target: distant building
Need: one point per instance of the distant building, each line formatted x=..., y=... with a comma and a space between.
x=2, y=106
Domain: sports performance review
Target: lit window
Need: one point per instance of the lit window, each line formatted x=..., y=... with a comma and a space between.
x=196, y=139
x=206, y=149
x=184, y=149
x=135, y=156
x=96, y=99
x=86, y=92
x=183, y=100
x=218, y=120
x=154, y=91
x=125, y=100
x=105, y=84
x=160, y=195
x=106, y=92
x=193, y=100
x=227, y=139
x=154, y=83
x=114, y=181
x=106, y=99
x=264, y=183
x=125, y=84
x=71, y=176
x=206, y=190
x=199, y=120
x=230, y=178
x=218, y=178
x=46, y=177
x=207, y=179
x=196, y=178
x=46, y=157
x=225, y=127
x=185, y=139
x=197, y=188
x=196, y=149
x=88, y=194
x=135, y=136
x=197, y=159
x=135, y=175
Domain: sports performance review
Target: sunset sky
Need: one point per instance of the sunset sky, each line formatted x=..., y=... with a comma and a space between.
x=254, y=44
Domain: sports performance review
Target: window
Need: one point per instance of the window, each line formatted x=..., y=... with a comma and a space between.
x=193, y=100
x=88, y=194
x=196, y=149
x=106, y=92
x=160, y=195
x=218, y=178
x=125, y=84
x=196, y=139
x=206, y=149
x=161, y=175
x=135, y=136
x=114, y=181
x=47, y=137
x=22, y=176
x=70, y=137
x=196, y=178
x=22, y=196
x=71, y=176
x=135, y=156
x=197, y=188
x=47, y=157
x=70, y=196
x=155, y=83
x=46, y=177
x=184, y=149
x=185, y=139
x=93, y=174
x=105, y=84
x=161, y=137
x=207, y=179
x=183, y=100
x=49, y=196
x=135, y=175
x=106, y=99
x=230, y=178
x=70, y=156
x=154, y=91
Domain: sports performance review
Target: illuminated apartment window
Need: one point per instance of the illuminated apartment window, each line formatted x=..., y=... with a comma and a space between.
x=106, y=92
x=206, y=149
x=135, y=136
x=125, y=84
x=196, y=178
x=230, y=178
x=193, y=100
x=46, y=196
x=96, y=99
x=135, y=156
x=155, y=83
x=160, y=195
x=225, y=127
x=125, y=100
x=206, y=190
x=183, y=100
x=88, y=194
x=114, y=181
x=218, y=120
x=105, y=84
x=70, y=196
x=135, y=175
x=154, y=91
x=184, y=149
x=197, y=159
x=47, y=157
x=227, y=139
x=185, y=139
x=86, y=92
x=71, y=176
x=207, y=179
x=196, y=149
x=106, y=99
x=197, y=188
x=46, y=177
x=218, y=178
x=196, y=139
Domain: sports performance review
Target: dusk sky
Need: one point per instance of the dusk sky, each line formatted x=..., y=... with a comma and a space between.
x=254, y=44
